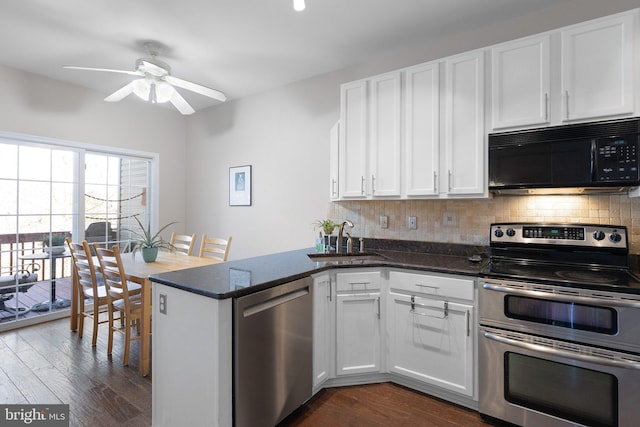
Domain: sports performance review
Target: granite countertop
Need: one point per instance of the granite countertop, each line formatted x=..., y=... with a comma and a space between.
x=242, y=277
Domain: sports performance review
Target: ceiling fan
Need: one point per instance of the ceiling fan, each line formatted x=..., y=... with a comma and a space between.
x=156, y=84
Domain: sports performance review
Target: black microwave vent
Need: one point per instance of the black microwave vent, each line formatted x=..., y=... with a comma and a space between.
x=602, y=129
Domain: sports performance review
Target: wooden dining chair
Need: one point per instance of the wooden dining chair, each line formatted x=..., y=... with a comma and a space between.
x=90, y=287
x=120, y=299
x=215, y=247
x=182, y=243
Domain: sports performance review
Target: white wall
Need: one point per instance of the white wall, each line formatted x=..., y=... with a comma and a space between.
x=284, y=134
x=38, y=106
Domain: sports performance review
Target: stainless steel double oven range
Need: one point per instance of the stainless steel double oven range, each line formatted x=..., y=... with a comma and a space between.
x=559, y=327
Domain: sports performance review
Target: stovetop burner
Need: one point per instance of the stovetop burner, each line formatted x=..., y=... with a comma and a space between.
x=588, y=277
x=562, y=274
x=577, y=255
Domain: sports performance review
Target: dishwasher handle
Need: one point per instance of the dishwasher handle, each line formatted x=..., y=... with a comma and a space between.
x=274, y=302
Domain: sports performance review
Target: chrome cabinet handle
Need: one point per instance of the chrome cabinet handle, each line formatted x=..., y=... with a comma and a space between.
x=449, y=181
x=546, y=107
x=435, y=182
x=468, y=323
x=627, y=364
x=566, y=105
x=378, y=307
x=333, y=187
x=560, y=297
x=373, y=184
x=414, y=304
x=427, y=286
x=362, y=181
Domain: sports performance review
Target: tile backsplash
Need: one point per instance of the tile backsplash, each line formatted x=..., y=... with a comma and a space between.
x=467, y=221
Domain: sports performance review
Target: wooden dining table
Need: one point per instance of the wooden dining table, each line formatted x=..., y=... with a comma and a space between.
x=138, y=271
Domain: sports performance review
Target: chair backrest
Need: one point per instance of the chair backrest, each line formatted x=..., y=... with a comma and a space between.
x=83, y=266
x=215, y=247
x=99, y=232
x=182, y=243
x=115, y=279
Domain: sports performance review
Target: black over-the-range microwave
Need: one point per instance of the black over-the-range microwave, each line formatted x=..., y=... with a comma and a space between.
x=595, y=156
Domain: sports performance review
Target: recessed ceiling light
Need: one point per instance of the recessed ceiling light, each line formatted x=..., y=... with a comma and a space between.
x=298, y=5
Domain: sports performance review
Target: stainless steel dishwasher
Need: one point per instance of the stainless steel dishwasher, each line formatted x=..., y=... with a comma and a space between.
x=272, y=353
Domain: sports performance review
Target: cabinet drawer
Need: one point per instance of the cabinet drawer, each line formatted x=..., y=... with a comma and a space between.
x=415, y=283
x=359, y=281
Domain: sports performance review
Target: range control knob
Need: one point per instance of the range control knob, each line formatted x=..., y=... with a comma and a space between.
x=498, y=233
x=511, y=232
x=615, y=237
x=598, y=235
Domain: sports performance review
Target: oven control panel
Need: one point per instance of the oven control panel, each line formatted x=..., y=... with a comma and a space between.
x=592, y=235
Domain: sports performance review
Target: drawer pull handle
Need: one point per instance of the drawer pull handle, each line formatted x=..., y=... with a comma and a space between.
x=428, y=286
x=445, y=309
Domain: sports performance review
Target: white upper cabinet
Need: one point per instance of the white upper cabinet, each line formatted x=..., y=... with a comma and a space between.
x=370, y=137
x=464, y=125
x=520, y=83
x=353, y=139
x=577, y=73
x=384, y=134
x=597, y=68
x=422, y=129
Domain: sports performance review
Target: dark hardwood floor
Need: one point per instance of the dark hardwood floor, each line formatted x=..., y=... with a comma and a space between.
x=47, y=363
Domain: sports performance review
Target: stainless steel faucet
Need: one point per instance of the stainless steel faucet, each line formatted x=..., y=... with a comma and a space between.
x=340, y=235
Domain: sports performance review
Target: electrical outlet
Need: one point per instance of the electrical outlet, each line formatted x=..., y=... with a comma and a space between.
x=412, y=223
x=162, y=306
x=449, y=219
x=383, y=221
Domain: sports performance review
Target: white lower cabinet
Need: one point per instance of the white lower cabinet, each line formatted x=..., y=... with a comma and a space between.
x=323, y=328
x=402, y=325
x=431, y=341
x=358, y=320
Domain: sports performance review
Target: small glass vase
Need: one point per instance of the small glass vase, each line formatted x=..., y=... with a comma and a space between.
x=327, y=244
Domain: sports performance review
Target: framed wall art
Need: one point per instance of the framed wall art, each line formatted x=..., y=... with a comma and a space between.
x=240, y=186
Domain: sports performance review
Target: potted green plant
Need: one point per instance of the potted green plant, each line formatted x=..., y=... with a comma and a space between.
x=327, y=227
x=148, y=243
x=54, y=243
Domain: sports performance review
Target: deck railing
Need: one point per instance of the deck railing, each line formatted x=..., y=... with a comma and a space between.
x=13, y=247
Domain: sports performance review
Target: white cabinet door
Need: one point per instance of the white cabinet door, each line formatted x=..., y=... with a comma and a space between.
x=384, y=134
x=464, y=128
x=430, y=342
x=597, y=64
x=353, y=139
x=334, y=161
x=422, y=129
x=323, y=327
x=358, y=333
x=520, y=83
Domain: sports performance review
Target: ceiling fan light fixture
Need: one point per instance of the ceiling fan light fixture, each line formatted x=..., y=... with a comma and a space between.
x=298, y=5
x=141, y=88
x=163, y=92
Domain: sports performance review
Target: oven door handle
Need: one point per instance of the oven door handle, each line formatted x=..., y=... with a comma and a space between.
x=626, y=364
x=561, y=297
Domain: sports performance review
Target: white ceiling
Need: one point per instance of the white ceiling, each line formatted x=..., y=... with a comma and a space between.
x=240, y=47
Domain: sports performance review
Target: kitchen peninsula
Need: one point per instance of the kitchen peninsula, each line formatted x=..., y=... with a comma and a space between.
x=193, y=325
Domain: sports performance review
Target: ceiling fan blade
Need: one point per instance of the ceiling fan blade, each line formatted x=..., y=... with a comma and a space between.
x=154, y=69
x=193, y=87
x=120, y=93
x=107, y=70
x=181, y=104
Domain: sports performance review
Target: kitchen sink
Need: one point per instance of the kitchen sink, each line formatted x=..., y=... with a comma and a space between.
x=346, y=258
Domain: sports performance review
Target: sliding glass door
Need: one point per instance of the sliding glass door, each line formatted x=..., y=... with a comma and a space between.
x=51, y=191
